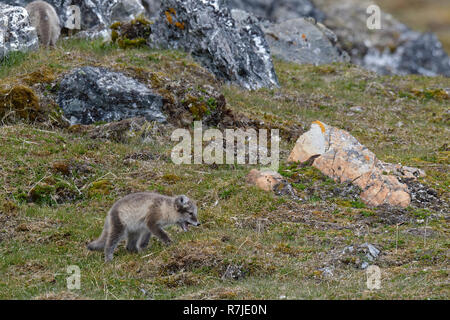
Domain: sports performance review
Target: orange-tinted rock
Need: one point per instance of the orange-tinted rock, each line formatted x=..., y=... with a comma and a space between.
x=310, y=144
x=346, y=160
x=265, y=180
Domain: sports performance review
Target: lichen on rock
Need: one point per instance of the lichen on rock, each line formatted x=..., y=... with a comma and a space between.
x=236, y=52
x=89, y=94
x=16, y=32
x=303, y=41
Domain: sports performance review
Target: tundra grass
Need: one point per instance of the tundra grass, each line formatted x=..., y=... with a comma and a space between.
x=57, y=186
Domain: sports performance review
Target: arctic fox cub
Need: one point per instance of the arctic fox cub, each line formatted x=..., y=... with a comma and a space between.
x=46, y=21
x=138, y=216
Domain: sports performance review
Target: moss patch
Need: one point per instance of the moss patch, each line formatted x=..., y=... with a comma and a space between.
x=131, y=34
x=43, y=75
x=19, y=100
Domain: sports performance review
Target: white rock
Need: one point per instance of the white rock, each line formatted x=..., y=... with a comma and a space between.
x=310, y=144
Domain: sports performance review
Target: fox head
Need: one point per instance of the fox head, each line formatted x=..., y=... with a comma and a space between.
x=187, y=212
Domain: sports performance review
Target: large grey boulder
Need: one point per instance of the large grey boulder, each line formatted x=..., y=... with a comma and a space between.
x=235, y=51
x=394, y=49
x=420, y=53
x=277, y=10
x=272, y=10
x=88, y=95
x=16, y=32
x=303, y=41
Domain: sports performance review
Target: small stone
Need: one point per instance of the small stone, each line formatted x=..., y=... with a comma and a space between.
x=373, y=251
x=265, y=180
x=348, y=249
x=356, y=109
x=327, y=272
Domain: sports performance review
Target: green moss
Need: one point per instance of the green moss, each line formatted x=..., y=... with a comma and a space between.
x=114, y=36
x=19, y=100
x=131, y=34
x=116, y=25
x=367, y=213
x=343, y=203
x=199, y=107
x=129, y=44
x=101, y=187
x=171, y=178
x=358, y=204
x=42, y=194
x=325, y=69
x=43, y=75
x=436, y=94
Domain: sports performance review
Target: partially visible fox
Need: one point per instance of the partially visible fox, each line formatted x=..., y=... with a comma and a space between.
x=138, y=216
x=46, y=21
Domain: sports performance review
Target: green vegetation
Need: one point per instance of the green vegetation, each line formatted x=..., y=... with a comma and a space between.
x=57, y=184
x=131, y=34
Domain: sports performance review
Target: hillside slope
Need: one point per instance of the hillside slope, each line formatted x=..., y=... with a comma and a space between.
x=58, y=182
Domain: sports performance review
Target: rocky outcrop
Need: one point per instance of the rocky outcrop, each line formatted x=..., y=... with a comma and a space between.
x=340, y=156
x=126, y=10
x=88, y=95
x=303, y=41
x=271, y=10
x=16, y=32
x=235, y=51
x=394, y=49
x=277, y=10
x=95, y=14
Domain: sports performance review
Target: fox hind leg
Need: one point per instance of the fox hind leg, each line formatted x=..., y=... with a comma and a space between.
x=114, y=237
x=99, y=244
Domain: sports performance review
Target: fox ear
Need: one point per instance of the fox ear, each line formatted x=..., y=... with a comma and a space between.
x=182, y=201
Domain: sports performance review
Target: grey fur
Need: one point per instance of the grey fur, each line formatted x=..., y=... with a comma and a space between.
x=138, y=216
x=46, y=21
